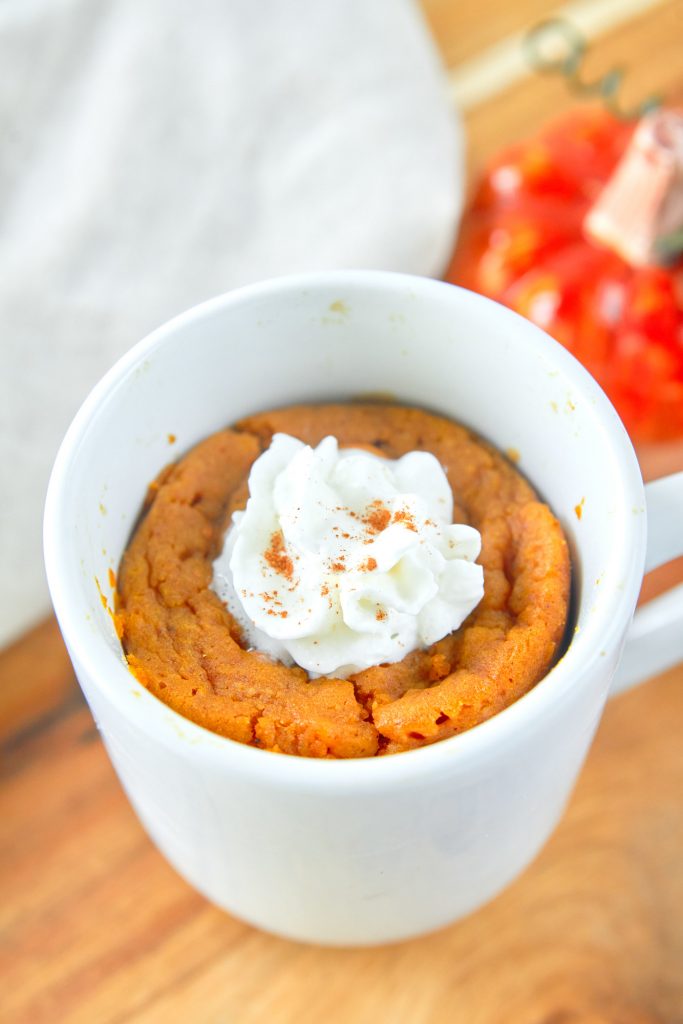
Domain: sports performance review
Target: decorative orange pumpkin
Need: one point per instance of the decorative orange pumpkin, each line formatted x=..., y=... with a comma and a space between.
x=567, y=229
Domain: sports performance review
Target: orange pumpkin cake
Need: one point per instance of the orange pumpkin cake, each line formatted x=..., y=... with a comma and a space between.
x=183, y=644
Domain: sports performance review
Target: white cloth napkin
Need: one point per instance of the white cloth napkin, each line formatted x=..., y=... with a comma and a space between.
x=158, y=152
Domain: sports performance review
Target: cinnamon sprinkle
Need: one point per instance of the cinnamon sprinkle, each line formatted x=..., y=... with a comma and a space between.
x=276, y=556
x=377, y=518
x=405, y=517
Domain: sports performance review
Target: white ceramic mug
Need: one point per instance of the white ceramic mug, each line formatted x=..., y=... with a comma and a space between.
x=378, y=849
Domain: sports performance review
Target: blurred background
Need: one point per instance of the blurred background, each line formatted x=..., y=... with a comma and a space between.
x=158, y=152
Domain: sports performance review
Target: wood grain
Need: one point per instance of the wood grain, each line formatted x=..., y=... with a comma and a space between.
x=649, y=49
x=36, y=679
x=96, y=928
x=463, y=33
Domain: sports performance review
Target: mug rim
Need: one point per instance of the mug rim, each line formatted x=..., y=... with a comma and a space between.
x=108, y=672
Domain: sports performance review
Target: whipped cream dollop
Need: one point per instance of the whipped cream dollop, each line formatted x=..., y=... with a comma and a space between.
x=343, y=559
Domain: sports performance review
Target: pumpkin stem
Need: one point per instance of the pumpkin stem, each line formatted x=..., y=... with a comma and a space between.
x=639, y=213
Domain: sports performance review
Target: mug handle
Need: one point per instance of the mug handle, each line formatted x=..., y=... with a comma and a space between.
x=655, y=640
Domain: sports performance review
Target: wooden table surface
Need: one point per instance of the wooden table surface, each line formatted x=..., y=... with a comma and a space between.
x=97, y=928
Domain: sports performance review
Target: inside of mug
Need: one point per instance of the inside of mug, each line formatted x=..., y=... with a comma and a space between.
x=425, y=344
